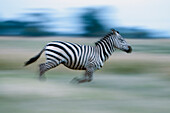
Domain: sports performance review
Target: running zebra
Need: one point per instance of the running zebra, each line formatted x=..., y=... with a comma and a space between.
x=81, y=57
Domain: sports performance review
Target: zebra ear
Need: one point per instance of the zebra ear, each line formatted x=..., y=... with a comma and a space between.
x=114, y=31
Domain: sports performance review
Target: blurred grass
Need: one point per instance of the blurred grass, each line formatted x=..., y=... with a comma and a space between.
x=145, y=89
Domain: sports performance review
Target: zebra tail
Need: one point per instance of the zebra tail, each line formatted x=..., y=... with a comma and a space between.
x=33, y=59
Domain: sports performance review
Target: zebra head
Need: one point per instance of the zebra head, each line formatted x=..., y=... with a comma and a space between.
x=120, y=43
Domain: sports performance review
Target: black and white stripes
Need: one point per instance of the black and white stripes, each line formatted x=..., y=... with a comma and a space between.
x=81, y=57
x=73, y=56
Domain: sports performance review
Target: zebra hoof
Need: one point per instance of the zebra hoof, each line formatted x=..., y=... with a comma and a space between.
x=75, y=80
x=42, y=78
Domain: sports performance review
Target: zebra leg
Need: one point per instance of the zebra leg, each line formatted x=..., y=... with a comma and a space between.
x=88, y=76
x=45, y=67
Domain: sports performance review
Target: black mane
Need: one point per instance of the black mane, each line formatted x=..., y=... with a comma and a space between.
x=105, y=37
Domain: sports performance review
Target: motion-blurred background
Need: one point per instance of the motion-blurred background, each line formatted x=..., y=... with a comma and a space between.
x=128, y=83
x=134, y=18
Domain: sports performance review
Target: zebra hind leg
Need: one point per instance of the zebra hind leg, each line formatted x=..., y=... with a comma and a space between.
x=42, y=69
x=45, y=67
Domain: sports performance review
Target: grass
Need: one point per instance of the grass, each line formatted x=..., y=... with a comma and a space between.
x=120, y=94
x=127, y=83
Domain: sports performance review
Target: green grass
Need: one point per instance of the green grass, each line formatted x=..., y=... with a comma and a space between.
x=157, y=46
x=127, y=83
x=108, y=94
x=163, y=49
x=135, y=67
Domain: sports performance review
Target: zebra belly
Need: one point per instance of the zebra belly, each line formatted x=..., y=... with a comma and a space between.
x=82, y=58
x=78, y=64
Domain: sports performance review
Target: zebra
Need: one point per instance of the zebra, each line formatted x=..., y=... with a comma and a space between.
x=81, y=57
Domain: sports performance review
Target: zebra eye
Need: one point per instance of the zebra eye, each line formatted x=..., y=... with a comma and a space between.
x=121, y=40
x=117, y=32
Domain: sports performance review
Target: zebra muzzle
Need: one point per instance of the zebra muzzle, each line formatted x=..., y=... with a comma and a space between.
x=129, y=50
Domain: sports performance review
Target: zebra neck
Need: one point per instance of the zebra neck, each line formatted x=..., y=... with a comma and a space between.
x=105, y=48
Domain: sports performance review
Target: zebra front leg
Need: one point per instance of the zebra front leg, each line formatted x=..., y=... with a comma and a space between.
x=88, y=76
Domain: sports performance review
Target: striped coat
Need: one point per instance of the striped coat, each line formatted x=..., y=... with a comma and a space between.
x=81, y=57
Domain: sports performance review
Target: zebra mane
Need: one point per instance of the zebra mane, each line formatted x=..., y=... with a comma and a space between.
x=108, y=35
